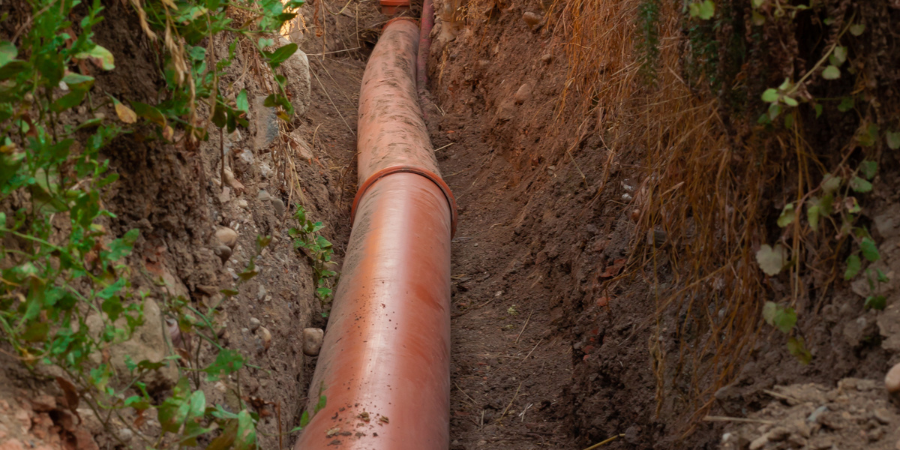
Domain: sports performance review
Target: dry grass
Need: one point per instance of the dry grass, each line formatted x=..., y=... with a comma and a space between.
x=697, y=188
x=701, y=187
x=712, y=193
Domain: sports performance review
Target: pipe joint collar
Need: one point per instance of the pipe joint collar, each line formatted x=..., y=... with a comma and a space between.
x=436, y=179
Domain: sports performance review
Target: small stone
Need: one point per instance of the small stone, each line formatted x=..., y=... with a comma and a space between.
x=227, y=236
x=207, y=290
x=223, y=252
x=254, y=324
x=265, y=170
x=892, y=380
x=531, y=19
x=266, y=337
x=125, y=434
x=312, y=341
x=43, y=403
x=759, y=442
x=296, y=71
x=242, y=203
x=882, y=415
x=813, y=417
x=546, y=58
x=875, y=434
x=264, y=196
x=247, y=156
x=225, y=196
x=278, y=205
x=778, y=434
x=522, y=94
x=266, y=123
x=233, y=182
x=261, y=293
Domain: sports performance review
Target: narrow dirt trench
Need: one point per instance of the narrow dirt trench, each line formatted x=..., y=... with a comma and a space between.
x=508, y=363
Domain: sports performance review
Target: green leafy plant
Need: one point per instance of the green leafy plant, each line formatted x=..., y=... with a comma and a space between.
x=317, y=249
x=65, y=299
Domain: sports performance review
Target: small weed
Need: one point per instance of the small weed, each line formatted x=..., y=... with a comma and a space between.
x=318, y=250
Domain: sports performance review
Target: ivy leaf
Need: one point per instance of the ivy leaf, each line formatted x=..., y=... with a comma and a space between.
x=857, y=29
x=282, y=54
x=246, y=432
x=112, y=307
x=812, y=215
x=227, y=362
x=122, y=246
x=100, y=55
x=150, y=113
x=876, y=302
x=304, y=419
x=757, y=18
x=785, y=319
x=241, y=101
x=321, y=405
x=867, y=135
x=860, y=185
x=854, y=265
x=831, y=73
x=831, y=183
x=840, y=55
x=769, y=311
x=893, y=139
x=125, y=113
x=771, y=260
x=869, y=249
x=788, y=214
x=819, y=110
x=797, y=348
x=868, y=169
x=8, y=52
x=770, y=96
x=789, y=101
x=703, y=10
x=847, y=103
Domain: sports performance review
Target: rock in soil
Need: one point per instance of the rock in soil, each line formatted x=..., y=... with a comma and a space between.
x=227, y=236
x=223, y=252
x=312, y=341
x=892, y=380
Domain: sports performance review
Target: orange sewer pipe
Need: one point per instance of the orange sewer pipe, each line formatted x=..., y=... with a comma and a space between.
x=385, y=363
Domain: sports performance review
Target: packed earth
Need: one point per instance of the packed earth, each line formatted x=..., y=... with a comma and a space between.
x=678, y=221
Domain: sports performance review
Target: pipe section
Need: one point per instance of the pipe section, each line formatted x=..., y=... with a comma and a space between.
x=424, y=49
x=385, y=363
